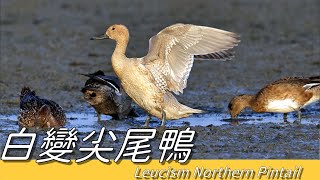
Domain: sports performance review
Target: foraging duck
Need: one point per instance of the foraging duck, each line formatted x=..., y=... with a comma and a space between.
x=282, y=96
x=106, y=96
x=37, y=112
x=150, y=80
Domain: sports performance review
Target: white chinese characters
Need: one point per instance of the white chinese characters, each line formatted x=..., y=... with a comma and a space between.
x=179, y=145
x=21, y=134
x=136, y=144
x=57, y=144
x=96, y=149
x=61, y=145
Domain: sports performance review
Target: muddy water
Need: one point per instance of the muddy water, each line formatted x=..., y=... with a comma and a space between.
x=45, y=45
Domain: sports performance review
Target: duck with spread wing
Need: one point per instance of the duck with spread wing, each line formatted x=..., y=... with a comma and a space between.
x=150, y=80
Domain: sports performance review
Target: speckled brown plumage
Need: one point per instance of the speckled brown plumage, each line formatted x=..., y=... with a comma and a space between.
x=284, y=95
x=37, y=112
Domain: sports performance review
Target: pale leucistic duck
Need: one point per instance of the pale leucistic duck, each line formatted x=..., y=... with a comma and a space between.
x=150, y=80
x=106, y=96
x=38, y=112
x=282, y=96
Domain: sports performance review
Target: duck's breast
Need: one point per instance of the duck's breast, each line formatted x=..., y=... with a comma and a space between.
x=139, y=85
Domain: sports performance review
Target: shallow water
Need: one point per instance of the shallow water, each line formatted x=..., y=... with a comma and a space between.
x=87, y=122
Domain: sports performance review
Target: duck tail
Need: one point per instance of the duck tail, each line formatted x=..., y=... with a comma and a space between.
x=190, y=110
x=313, y=85
x=177, y=109
x=314, y=82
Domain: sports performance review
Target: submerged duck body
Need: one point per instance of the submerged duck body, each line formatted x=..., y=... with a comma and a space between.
x=106, y=96
x=282, y=96
x=150, y=80
x=37, y=112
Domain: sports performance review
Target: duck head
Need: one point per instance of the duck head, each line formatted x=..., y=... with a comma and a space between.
x=238, y=103
x=26, y=91
x=116, y=32
x=95, y=95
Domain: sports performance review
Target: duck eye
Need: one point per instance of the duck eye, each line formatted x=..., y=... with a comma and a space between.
x=113, y=28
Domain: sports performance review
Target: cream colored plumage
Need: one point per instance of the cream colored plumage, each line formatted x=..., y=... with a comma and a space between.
x=166, y=67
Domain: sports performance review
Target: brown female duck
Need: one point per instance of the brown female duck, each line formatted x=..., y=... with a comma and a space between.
x=282, y=96
x=37, y=112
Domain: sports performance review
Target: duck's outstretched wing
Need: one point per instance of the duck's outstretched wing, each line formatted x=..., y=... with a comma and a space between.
x=172, y=50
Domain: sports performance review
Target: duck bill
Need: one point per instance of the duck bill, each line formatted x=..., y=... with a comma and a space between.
x=101, y=37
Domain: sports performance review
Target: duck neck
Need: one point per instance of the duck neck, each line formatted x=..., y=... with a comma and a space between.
x=121, y=47
x=248, y=101
x=119, y=57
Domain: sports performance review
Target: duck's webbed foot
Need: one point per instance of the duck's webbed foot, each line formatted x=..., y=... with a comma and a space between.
x=146, y=124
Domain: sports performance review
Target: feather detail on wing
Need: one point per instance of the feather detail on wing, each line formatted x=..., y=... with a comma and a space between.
x=172, y=52
x=311, y=85
x=110, y=81
x=314, y=82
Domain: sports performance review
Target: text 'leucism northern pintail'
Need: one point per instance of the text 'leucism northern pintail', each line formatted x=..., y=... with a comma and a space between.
x=150, y=80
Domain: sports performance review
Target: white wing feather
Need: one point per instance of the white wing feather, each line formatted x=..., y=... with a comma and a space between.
x=172, y=52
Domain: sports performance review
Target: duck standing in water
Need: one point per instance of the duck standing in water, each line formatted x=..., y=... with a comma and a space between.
x=40, y=113
x=106, y=96
x=282, y=96
x=150, y=80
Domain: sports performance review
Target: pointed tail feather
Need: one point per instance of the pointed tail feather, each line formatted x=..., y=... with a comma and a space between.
x=311, y=85
x=190, y=110
x=176, y=109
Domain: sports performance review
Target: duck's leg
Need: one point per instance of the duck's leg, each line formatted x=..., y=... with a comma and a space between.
x=299, y=115
x=146, y=124
x=163, y=119
x=285, y=120
x=99, y=116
